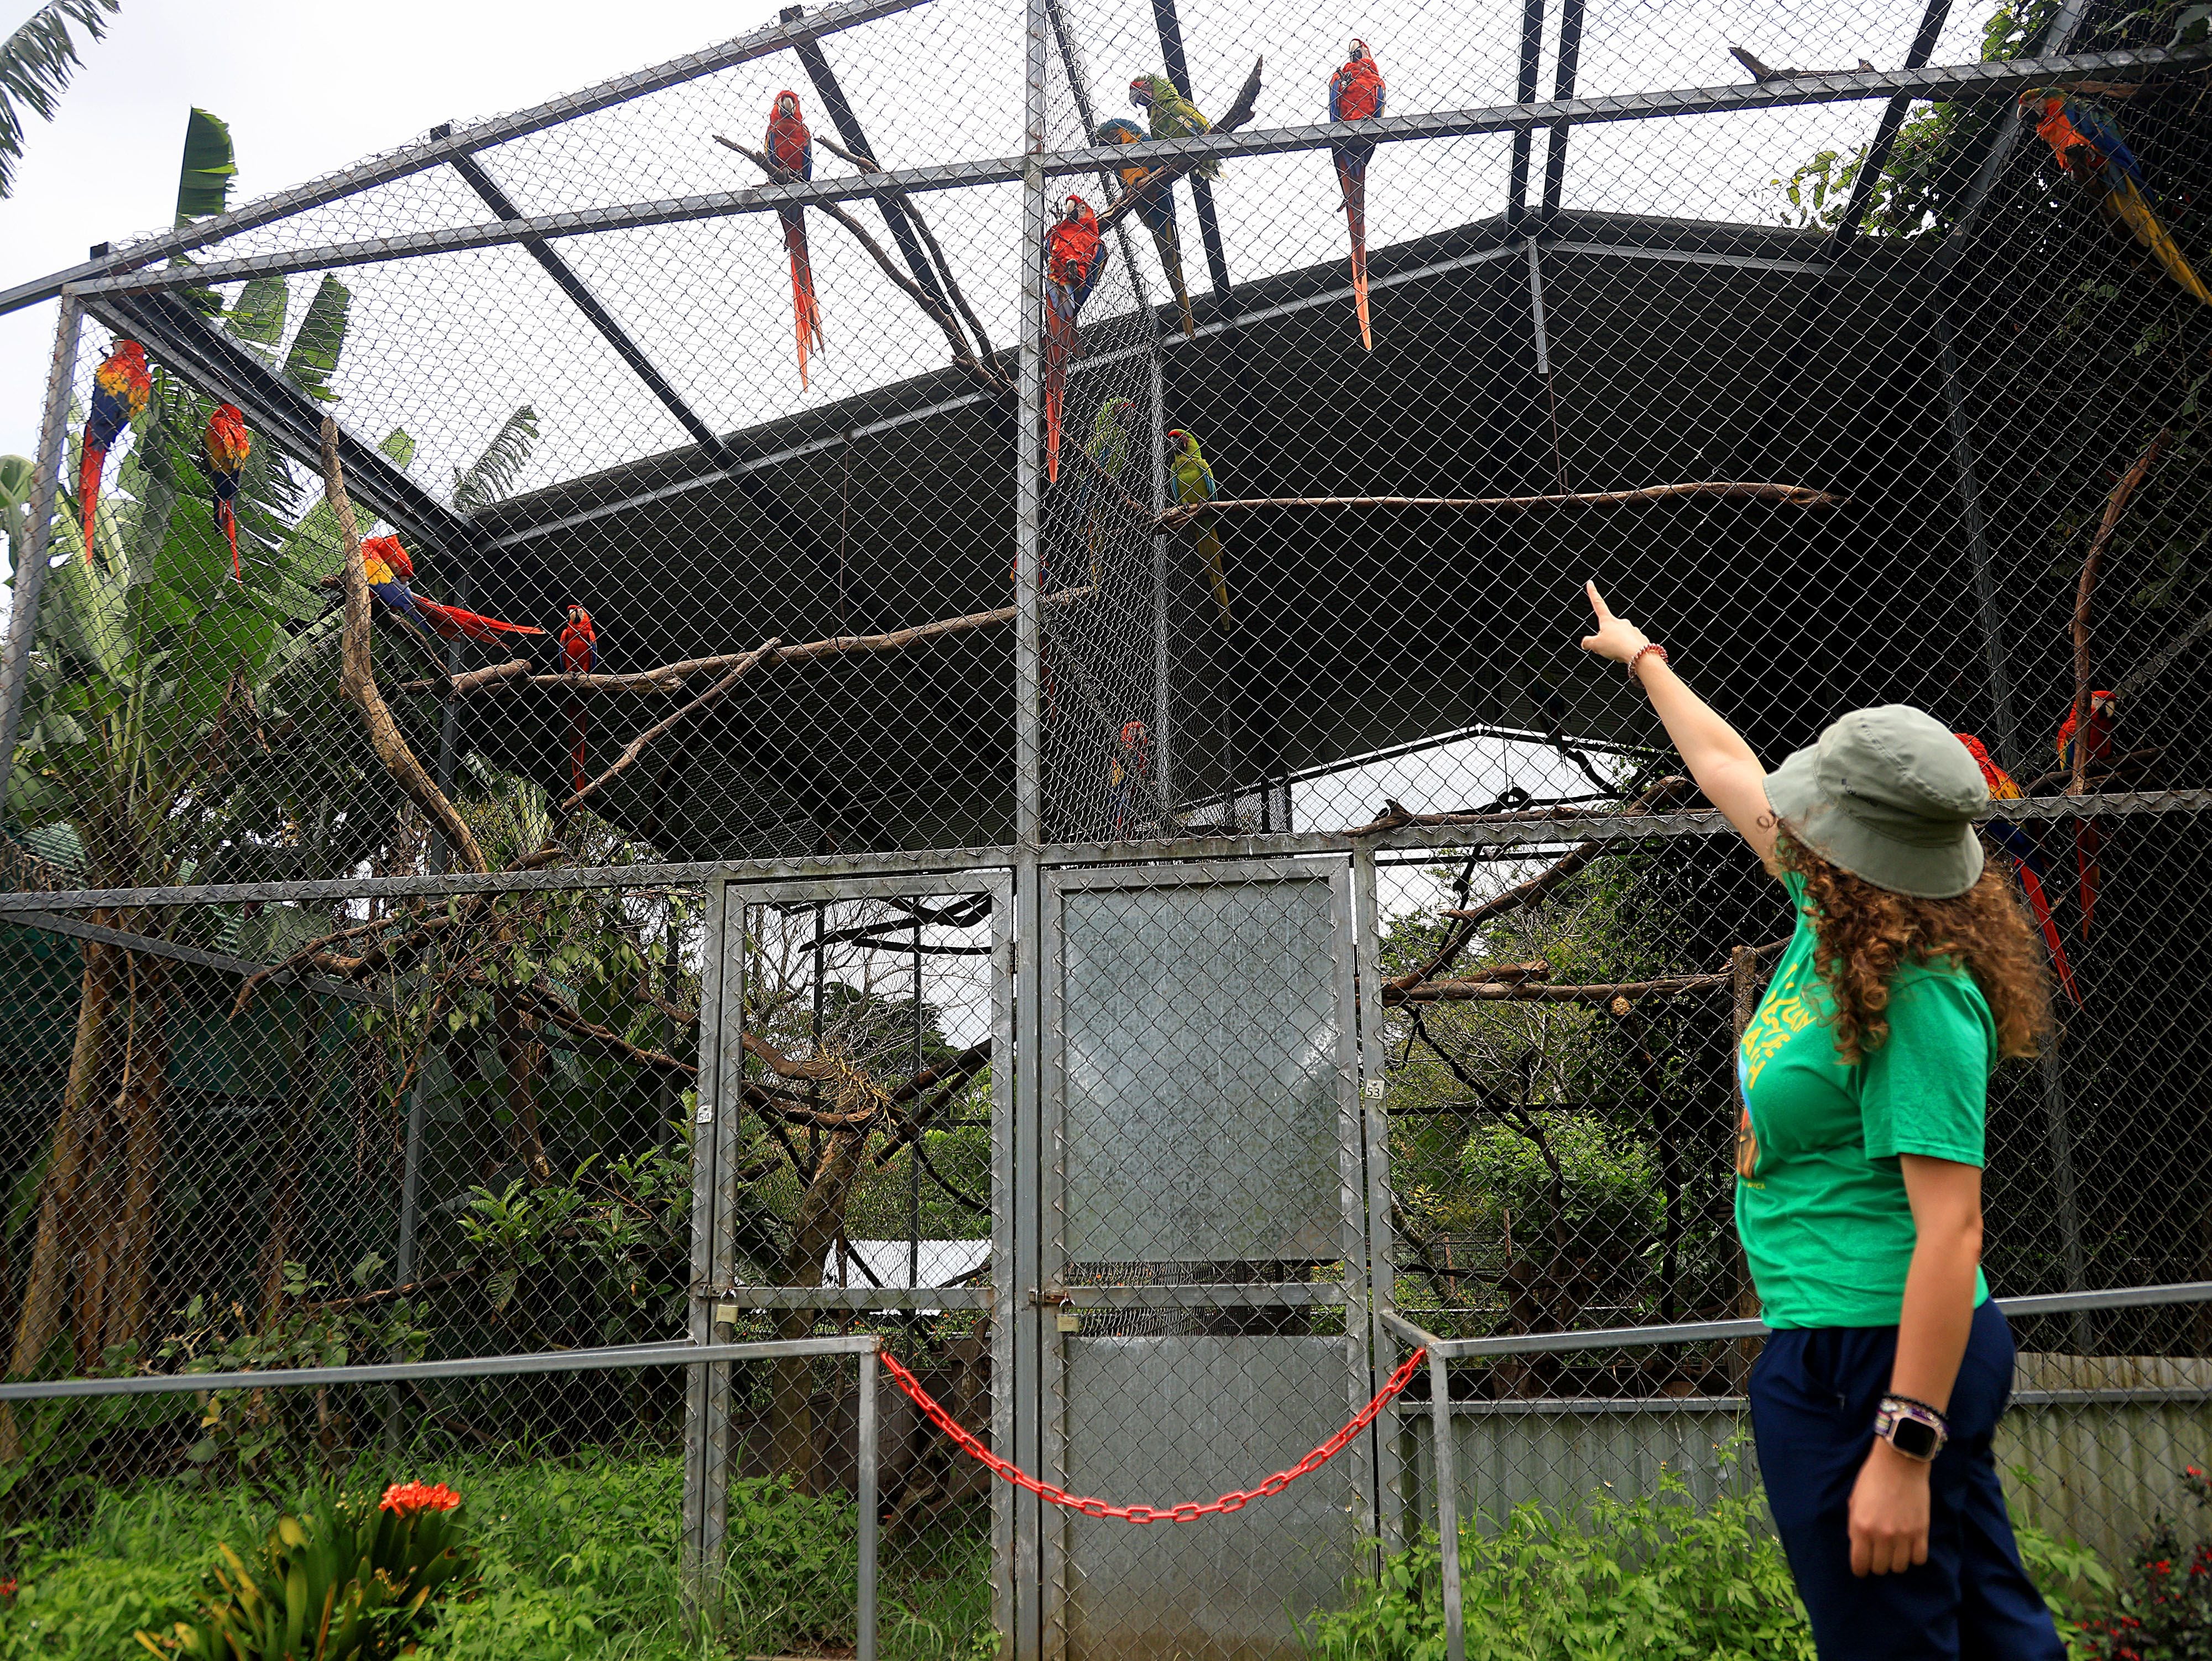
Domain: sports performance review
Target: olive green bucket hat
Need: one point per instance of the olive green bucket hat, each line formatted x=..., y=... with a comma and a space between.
x=1890, y=794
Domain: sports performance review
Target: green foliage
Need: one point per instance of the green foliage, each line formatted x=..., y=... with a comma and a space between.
x=35, y=64
x=281, y=1434
x=492, y=475
x=210, y=165
x=1651, y=1578
x=2161, y=1608
x=343, y=1580
x=1610, y=1190
x=313, y=358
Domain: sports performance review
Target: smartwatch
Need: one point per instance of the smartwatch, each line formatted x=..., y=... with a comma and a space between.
x=1913, y=1428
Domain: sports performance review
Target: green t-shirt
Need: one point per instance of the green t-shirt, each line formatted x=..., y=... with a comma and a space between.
x=1820, y=1198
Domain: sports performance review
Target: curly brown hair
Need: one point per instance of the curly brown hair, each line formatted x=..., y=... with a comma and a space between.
x=1866, y=933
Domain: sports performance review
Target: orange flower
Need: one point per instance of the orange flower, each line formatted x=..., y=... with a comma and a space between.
x=410, y=1497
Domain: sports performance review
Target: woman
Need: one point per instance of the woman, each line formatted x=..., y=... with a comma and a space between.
x=1863, y=1081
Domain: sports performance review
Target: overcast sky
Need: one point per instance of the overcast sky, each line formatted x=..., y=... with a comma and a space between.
x=305, y=89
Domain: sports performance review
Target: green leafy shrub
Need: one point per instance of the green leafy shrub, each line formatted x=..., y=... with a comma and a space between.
x=1652, y=1577
x=342, y=1580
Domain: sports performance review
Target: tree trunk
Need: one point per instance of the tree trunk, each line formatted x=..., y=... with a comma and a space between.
x=518, y=1054
x=820, y=1221
x=306, y=1075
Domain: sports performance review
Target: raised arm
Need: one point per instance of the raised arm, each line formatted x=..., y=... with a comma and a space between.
x=1716, y=754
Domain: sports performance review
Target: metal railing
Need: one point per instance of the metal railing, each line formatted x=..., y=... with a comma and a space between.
x=865, y=1346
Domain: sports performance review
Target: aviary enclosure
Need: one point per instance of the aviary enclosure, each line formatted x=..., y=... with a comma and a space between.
x=958, y=717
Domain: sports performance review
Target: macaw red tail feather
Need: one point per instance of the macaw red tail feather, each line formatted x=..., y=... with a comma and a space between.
x=87, y=492
x=1353, y=180
x=227, y=516
x=450, y=623
x=805, y=309
x=1059, y=343
x=579, y=729
x=2054, y=942
x=2088, y=843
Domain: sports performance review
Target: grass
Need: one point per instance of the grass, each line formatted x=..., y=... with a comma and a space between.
x=580, y=1558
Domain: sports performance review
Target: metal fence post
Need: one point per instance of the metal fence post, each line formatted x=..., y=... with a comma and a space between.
x=30, y=559
x=706, y=1409
x=1444, y=1464
x=867, y=1451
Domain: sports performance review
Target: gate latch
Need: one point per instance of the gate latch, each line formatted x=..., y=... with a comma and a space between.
x=1055, y=1297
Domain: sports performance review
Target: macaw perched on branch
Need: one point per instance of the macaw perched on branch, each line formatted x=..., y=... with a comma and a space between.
x=1172, y=116
x=390, y=575
x=2090, y=149
x=120, y=386
x=1109, y=451
x=791, y=147
x=1156, y=206
x=580, y=656
x=1193, y=484
x=1072, y=259
x=1133, y=760
x=1355, y=94
x=227, y=446
x=2088, y=835
x=2026, y=859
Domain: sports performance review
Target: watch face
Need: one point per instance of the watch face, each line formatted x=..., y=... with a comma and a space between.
x=1912, y=1438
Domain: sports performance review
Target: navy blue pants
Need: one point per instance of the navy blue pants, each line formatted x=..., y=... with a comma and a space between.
x=1814, y=1393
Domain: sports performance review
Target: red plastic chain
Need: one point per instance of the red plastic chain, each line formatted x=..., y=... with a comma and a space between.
x=1189, y=1511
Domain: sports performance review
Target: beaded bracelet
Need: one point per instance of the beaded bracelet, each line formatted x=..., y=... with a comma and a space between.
x=1648, y=645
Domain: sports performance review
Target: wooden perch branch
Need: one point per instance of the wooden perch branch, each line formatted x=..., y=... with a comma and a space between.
x=1794, y=495
x=357, y=674
x=2119, y=500
x=1240, y=111
x=1524, y=894
x=765, y=653
x=672, y=676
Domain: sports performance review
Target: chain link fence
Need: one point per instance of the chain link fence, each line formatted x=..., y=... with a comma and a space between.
x=958, y=726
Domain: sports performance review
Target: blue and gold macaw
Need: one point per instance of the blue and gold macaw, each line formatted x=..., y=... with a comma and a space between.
x=1193, y=484
x=2089, y=149
x=1156, y=206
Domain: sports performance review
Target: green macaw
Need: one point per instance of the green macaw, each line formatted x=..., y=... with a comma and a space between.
x=1172, y=116
x=1109, y=451
x=1193, y=484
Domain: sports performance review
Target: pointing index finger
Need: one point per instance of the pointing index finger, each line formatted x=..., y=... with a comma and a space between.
x=1597, y=602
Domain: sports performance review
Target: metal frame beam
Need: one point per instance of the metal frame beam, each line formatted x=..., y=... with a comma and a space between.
x=1885, y=133
x=1562, y=91
x=421, y=158
x=32, y=556
x=594, y=310
x=1170, y=29
x=1952, y=82
x=1495, y=833
x=1524, y=92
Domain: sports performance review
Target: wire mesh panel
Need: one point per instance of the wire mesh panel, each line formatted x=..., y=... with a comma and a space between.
x=1248, y=392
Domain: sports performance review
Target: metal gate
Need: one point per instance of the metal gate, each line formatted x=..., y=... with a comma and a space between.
x=1201, y=1289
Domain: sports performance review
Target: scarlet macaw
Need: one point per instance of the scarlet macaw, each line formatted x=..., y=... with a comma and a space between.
x=1156, y=206
x=580, y=656
x=391, y=572
x=791, y=147
x=1355, y=94
x=1193, y=484
x=2090, y=149
x=1133, y=760
x=2025, y=858
x=227, y=446
x=120, y=386
x=1072, y=259
x=1172, y=116
x=2088, y=835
